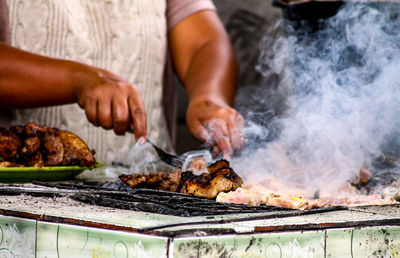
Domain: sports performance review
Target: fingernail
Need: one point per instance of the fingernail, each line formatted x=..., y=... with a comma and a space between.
x=142, y=140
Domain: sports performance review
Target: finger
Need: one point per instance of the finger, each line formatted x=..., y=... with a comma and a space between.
x=104, y=113
x=121, y=117
x=138, y=116
x=219, y=132
x=235, y=127
x=199, y=131
x=91, y=112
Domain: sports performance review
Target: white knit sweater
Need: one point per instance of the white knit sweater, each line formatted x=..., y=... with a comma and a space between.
x=127, y=37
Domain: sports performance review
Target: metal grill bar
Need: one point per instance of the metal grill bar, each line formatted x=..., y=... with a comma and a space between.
x=167, y=203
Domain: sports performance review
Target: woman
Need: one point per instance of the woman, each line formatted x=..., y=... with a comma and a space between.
x=111, y=58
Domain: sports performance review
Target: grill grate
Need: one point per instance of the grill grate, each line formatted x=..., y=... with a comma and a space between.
x=167, y=203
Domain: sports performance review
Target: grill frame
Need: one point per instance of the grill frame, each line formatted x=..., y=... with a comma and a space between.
x=220, y=224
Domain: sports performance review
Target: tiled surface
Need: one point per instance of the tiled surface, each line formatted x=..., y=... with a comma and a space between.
x=59, y=240
x=292, y=244
x=376, y=242
x=17, y=237
x=338, y=243
x=364, y=242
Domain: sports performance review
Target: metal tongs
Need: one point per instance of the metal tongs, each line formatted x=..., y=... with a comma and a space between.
x=168, y=158
x=183, y=161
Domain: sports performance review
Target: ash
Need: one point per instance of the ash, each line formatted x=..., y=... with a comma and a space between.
x=53, y=205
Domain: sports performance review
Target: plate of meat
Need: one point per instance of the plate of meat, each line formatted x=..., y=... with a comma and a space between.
x=34, y=152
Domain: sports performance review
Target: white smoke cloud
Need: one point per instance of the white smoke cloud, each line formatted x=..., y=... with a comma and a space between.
x=345, y=105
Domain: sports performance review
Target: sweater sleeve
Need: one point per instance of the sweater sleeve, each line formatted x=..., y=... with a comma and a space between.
x=177, y=10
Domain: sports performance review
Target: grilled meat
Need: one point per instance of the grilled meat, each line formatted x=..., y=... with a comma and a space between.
x=198, y=165
x=17, y=129
x=220, y=178
x=32, y=129
x=159, y=181
x=10, y=143
x=76, y=151
x=258, y=194
x=30, y=146
x=352, y=200
x=34, y=161
x=53, y=148
x=35, y=145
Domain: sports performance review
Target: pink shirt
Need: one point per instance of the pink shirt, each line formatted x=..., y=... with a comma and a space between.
x=177, y=10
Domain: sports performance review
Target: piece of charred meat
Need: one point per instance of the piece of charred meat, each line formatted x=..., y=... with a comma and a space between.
x=32, y=129
x=160, y=181
x=17, y=129
x=10, y=143
x=35, y=160
x=76, y=151
x=31, y=144
x=220, y=178
x=198, y=165
x=35, y=145
x=53, y=148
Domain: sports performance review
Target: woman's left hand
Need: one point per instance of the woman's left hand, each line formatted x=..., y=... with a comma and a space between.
x=216, y=124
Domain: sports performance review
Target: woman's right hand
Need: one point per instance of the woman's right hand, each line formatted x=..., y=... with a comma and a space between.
x=110, y=102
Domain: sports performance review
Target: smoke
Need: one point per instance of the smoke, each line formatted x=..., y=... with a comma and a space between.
x=335, y=103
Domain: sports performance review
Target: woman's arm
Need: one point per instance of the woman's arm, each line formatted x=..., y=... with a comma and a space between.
x=29, y=80
x=204, y=61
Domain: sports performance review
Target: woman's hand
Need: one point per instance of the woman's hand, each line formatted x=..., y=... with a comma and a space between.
x=205, y=63
x=110, y=101
x=216, y=124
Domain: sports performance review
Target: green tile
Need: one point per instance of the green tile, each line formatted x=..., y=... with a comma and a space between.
x=376, y=242
x=60, y=240
x=338, y=243
x=17, y=237
x=291, y=244
x=364, y=242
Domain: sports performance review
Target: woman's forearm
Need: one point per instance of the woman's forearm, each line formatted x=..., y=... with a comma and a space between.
x=212, y=73
x=203, y=57
x=30, y=80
